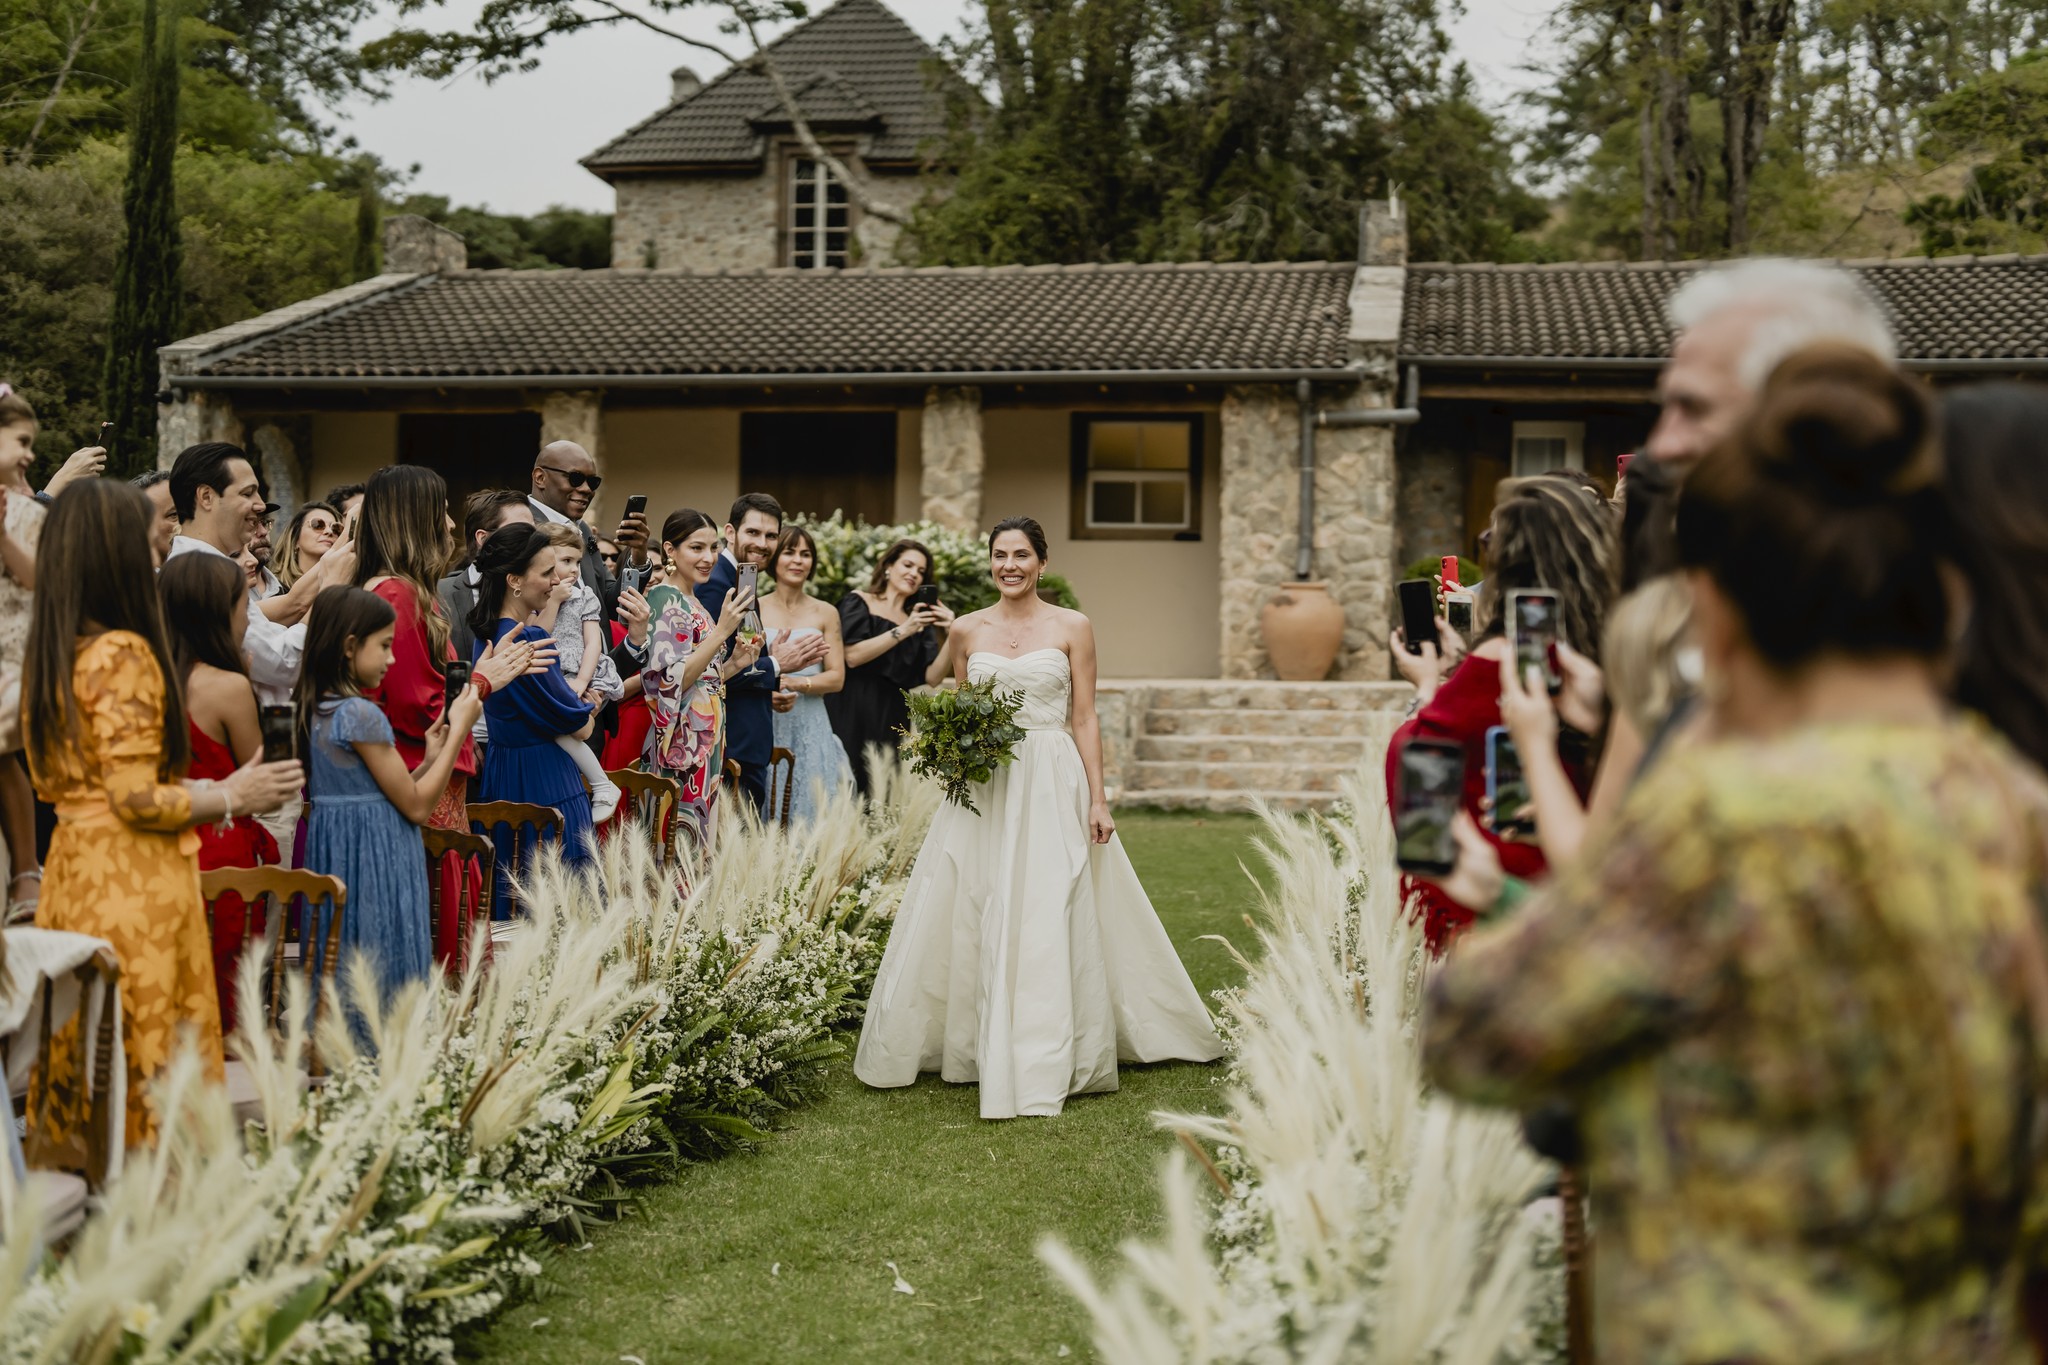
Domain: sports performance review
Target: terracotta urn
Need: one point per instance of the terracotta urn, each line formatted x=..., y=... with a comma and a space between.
x=1304, y=628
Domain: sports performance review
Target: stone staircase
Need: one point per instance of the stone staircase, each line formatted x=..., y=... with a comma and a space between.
x=1203, y=744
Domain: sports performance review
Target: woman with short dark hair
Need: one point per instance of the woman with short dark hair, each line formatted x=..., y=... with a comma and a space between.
x=890, y=646
x=1798, y=994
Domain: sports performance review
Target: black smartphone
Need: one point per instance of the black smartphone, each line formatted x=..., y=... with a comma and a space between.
x=1512, y=809
x=106, y=432
x=454, y=680
x=1458, y=611
x=1428, y=785
x=1532, y=634
x=926, y=596
x=280, y=726
x=636, y=505
x=1418, y=613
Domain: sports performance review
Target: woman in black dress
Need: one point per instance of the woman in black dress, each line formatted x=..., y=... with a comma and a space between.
x=889, y=647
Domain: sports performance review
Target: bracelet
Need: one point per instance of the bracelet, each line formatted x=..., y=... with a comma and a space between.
x=483, y=686
x=227, y=800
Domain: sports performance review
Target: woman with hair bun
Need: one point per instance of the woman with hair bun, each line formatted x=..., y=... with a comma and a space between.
x=1796, y=994
x=1025, y=957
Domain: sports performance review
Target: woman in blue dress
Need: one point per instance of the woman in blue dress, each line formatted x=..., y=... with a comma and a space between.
x=821, y=771
x=366, y=807
x=522, y=762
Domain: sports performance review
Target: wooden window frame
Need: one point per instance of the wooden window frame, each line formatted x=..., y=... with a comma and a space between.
x=788, y=155
x=1573, y=434
x=1078, y=527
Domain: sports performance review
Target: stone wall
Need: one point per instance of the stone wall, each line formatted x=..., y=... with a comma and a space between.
x=1431, y=504
x=951, y=457
x=720, y=222
x=1354, y=534
x=195, y=415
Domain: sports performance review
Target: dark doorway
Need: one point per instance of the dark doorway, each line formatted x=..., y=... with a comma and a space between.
x=471, y=450
x=816, y=463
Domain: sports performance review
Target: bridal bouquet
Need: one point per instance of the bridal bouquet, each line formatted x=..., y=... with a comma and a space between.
x=960, y=736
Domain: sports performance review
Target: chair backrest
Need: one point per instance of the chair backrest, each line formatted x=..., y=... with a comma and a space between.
x=486, y=817
x=782, y=787
x=317, y=933
x=651, y=801
x=461, y=875
x=85, y=988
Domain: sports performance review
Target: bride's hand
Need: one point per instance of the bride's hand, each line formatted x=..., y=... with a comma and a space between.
x=1100, y=827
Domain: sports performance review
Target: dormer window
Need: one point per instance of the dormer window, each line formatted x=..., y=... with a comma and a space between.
x=819, y=216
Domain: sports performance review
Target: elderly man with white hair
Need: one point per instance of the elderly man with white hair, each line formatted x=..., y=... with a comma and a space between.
x=1735, y=323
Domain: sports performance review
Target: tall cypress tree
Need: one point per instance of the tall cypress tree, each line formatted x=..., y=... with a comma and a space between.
x=148, y=280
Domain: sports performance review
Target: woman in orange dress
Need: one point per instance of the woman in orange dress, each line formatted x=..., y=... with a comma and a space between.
x=105, y=726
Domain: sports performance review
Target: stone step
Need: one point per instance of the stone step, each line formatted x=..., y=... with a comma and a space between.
x=1240, y=777
x=1228, y=747
x=1295, y=725
x=1191, y=798
x=1279, y=696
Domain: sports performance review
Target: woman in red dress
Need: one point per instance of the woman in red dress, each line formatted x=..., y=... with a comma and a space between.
x=1550, y=533
x=206, y=608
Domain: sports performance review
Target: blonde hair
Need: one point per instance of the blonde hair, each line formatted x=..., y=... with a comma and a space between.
x=562, y=537
x=1639, y=649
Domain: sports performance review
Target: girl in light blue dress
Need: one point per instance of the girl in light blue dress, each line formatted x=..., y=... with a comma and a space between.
x=365, y=808
x=822, y=770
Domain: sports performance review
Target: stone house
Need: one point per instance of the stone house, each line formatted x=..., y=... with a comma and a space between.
x=720, y=180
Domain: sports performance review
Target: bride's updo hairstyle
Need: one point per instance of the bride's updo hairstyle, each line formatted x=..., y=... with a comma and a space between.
x=1821, y=517
x=1028, y=528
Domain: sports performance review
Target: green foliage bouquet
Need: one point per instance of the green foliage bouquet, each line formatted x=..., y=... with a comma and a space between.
x=960, y=736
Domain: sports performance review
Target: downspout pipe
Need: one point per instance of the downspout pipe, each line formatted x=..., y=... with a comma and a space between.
x=1304, y=395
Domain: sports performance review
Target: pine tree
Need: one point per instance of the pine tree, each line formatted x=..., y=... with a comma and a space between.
x=148, y=277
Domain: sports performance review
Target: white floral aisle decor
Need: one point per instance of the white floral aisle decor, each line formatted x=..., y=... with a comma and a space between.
x=382, y=1213
x=1352, y=1215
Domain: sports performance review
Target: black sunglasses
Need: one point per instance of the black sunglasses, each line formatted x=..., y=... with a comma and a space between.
x=576, y=478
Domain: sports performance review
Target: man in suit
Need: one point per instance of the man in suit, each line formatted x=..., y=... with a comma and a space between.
x=485, y=512
x=753, y=527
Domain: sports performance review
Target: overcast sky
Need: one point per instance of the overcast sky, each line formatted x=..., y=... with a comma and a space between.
x=513, y=146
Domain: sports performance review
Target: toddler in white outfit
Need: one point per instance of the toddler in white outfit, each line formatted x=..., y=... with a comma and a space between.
x=578, y=627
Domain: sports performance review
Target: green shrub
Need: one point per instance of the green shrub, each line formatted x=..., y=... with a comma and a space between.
x=847, y=551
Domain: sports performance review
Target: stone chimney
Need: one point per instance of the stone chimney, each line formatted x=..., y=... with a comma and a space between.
x=682, y=83
x=414, y=246
x=1383, y=231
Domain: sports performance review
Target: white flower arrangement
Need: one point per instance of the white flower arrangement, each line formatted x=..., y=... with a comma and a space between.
x=1356, y=1215
x=400, y=1202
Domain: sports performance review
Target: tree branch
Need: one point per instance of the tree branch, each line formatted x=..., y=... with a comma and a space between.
x=79, y=33
x=681, y=37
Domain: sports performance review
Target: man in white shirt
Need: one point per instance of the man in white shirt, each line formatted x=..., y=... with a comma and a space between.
x=219, y=504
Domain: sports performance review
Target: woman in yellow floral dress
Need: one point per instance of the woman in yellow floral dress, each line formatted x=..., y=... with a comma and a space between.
x=108, y=745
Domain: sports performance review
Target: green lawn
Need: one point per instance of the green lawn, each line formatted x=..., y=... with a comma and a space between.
x=912, y=1176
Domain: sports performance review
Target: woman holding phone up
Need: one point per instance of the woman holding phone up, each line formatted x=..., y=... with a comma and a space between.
x=890, y=646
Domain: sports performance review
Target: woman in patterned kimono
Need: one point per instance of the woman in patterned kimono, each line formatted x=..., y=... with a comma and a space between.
x=685, y=675
x=108, y=745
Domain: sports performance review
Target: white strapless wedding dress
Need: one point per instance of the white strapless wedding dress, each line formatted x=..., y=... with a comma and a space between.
x=1024, y=957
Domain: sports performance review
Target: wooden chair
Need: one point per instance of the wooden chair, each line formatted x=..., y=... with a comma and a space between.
x=781, y=790
x=1578, y=1267
x=456, y=899
x=732, y=770
x=517, y=817
x=63, y=1174
x=309, y=941
x=648, y=802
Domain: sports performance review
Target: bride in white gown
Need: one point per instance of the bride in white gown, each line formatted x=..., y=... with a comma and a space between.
x=1025, y=956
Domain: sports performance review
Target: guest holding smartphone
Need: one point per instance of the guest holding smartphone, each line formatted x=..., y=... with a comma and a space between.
x=894, y=640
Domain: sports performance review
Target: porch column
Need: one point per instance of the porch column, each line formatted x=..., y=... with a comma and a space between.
x=1259, y=495
x=577, y=415
x=193, y=416
x=951, y=458
x=276, y=449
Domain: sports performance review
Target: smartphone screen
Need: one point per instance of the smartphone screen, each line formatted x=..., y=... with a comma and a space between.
x=456, y=678
x=636, y=505
x=1458, y=611
x=1532, y=632
x=1418, y=613
x=280, y=727
x=1514, y=813
x=1429, y=783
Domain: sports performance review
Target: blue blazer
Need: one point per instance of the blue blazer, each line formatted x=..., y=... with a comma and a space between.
x=749, y=719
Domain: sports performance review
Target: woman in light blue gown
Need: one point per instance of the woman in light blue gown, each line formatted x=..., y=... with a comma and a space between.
x=822, y=772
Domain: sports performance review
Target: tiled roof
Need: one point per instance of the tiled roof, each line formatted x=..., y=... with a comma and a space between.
x=1946, y=308
x=879, y=73
x=970, y=321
